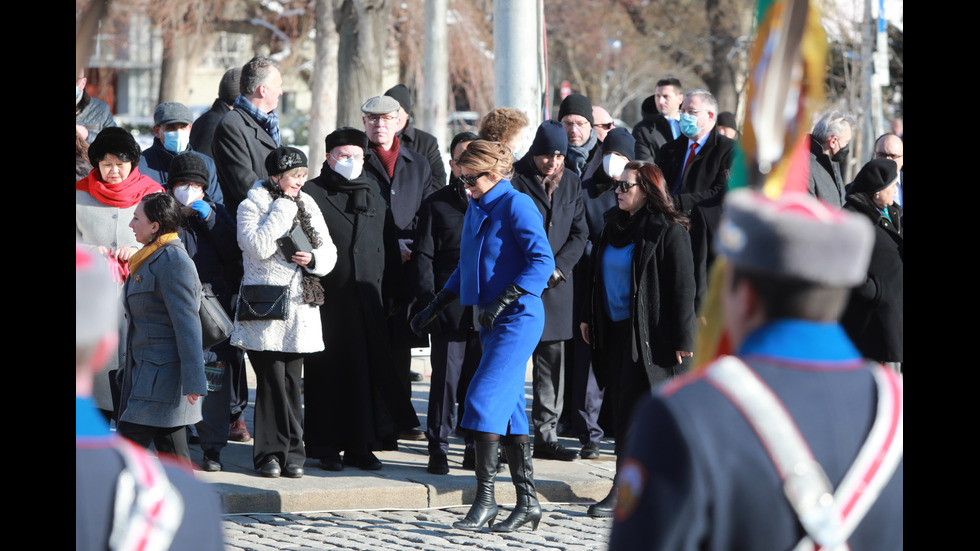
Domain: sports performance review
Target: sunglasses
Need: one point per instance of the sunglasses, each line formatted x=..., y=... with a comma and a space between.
x=625, y=186
x=604, y=126
x=470, y=181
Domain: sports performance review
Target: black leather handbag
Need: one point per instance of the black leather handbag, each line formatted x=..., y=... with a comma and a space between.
x=263, y=302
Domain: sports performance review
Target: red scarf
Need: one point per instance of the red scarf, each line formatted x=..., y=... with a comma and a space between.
x=388, y=158
x=122, y=195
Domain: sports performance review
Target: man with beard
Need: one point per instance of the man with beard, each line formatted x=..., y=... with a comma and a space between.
x=354, y=402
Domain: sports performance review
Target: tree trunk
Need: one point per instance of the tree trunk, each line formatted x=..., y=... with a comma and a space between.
x=323, y=115
x=363, y=30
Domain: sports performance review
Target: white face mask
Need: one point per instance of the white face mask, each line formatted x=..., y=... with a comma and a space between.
x=348, y=168
x=614, y=164
x=187, y=194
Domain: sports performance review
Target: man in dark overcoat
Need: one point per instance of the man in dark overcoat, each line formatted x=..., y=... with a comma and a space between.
x=542, y=175
x=417, y=140
x=354, y=402
x=202, y=133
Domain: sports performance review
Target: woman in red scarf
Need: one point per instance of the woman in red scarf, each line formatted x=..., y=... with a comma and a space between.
x=104, y=204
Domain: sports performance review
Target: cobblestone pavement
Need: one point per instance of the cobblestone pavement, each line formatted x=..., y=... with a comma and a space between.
x=564, y=526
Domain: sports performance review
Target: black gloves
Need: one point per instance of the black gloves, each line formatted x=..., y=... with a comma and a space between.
x=503, y=300
x=430, y=313
x=556, y=277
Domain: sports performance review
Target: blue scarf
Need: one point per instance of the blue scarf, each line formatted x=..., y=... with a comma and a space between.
x=268, y=121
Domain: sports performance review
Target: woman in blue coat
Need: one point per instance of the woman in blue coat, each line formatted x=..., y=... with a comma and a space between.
x=504, y=265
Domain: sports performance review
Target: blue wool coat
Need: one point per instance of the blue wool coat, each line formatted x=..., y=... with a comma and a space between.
x=503, y=242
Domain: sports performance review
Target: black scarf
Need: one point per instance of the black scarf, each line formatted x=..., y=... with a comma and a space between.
x=621, y=227
x=357, y=189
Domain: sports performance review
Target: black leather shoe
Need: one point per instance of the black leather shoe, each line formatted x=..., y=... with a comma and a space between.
x=211, y=463
x=606, y=507
x=411, y=434
x=553, y=450
x=332, y=463
x=292, y=470
x=589, y=451
x=438, y=464
x=416, y=377
x=270, y=469
x=365, y=462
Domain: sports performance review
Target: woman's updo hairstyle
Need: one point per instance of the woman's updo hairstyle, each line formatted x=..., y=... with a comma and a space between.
x=163, y=209
x=654, y=188
x=493, y=157
x=114, y=141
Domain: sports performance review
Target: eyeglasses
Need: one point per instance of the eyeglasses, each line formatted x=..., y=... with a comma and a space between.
x=378, y=119
x=694, y=111
x=604, y=126
x=470, y=181
x=625, y=186
x=883, y=155
x=570, y=124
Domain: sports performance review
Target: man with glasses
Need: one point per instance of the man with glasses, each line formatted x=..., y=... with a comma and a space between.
x=405, y=177
x=602, y=122
x=696, y=166
x=575, y=114
x=891, y=146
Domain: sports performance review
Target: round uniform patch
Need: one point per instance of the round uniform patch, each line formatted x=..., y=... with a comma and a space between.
x=630, y=481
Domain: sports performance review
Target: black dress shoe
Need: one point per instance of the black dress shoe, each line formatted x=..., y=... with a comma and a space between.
x=332, y=463
x=366, y=462
x=553, y=450
x=411, y=434
x=211, y=463
x=292, y=470
x=416, y=377
x=606, y=507
x=270, y=469
x=589, y=451
x=438, y=464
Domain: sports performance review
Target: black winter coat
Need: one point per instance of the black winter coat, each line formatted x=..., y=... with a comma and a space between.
x=874, y=316
x=426, y=145
x=651, y=134
x=564, y=223
x=240, y=147
x=436, y=254
x=662, y=307
x=353, y=398
x=202, y=132
x=706, y=177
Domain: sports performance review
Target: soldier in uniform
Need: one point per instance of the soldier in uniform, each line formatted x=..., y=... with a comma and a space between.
x=796, y=441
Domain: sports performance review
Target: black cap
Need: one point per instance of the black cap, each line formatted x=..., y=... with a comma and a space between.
x=576, y=104
x=116, y=141
x=619, y=140
x=230, y=85
x=402, y=95
x=346, y=135
x=875, y=176
x=189, y=167
x=727, y=119
x=283, y=159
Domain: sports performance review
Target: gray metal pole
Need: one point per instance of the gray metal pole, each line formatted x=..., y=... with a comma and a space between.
x=516, y=46
x=435, y=92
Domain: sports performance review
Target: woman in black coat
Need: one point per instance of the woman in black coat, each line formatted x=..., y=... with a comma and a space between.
x=873, y=318
x=641, y=319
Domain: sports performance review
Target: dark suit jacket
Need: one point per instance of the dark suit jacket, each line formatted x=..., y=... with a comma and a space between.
x=564, y=222
x=707, y=175
x=426, y=144
x=651, y=134
x=240, y=147
x=202, y=132
x=412, y=182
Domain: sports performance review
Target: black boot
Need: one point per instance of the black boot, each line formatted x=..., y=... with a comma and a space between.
x=484, y=508
x=606, y=507
x=527, y=510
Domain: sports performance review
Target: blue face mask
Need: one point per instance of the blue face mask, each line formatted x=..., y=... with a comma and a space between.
x=689, y=125
x=177, y=140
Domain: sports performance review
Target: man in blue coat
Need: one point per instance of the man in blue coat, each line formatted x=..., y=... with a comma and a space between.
x=793, y=443
x=555, y=190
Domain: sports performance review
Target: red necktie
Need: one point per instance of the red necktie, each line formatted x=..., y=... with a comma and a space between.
x=680, y=181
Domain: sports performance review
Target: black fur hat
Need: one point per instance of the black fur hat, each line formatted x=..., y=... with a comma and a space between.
x=346, y=135
x=114, y=141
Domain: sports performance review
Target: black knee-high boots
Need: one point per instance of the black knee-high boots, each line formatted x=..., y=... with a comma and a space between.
x=484, y=508
x=527, y=510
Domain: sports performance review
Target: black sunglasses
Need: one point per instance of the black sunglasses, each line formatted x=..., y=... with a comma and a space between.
x=470, y=181
x=604, y=126
x=625, y=186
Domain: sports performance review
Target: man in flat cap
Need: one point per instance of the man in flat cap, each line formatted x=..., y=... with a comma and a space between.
x=405, y=177
x=795, y=442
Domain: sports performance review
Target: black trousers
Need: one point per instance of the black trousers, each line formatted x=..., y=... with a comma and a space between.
x=278, y=408
x=626, y=381
x=454, y=356
x=168, y=440
x=548, y=383
x=586, y=395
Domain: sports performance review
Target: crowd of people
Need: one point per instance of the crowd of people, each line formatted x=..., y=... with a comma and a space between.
x=588, y=255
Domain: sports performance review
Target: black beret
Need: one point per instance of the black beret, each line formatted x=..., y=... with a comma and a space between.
x=114, y=141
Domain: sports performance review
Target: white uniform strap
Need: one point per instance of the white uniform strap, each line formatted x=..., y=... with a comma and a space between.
x=829, y=518
x=148, y=508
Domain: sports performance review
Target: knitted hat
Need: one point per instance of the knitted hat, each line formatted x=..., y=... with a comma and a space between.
x=283, y=159
x=550, y=139
x=96, y=313
x=402, y=95
x=576, y=104
x=875, y=176
x=649, y=106
x=189, y=167
x=346, y=136
x=727, y=119
x=115, y=141
x=380, y=105
x=619, y=140
x=796, y=236
x=172, y=112
x=230, y=86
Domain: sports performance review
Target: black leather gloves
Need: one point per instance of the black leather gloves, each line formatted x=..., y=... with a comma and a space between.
x=556, y=277
x=503, y=300
x=424, y=319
